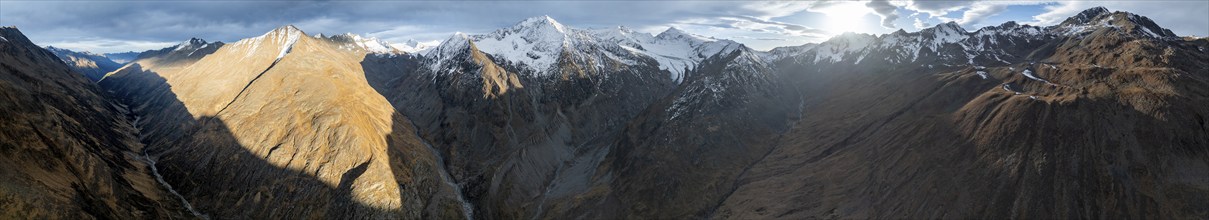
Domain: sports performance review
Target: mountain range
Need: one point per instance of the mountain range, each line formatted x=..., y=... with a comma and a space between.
x=1100, y=116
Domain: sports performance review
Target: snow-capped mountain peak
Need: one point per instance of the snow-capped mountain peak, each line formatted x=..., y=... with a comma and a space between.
x=1010, y=28
x=544, y=21
x=838, y=47
x=677, y=50
x=948, y=32
x=948, y=27
x=673, y=33
x=541, y=28
x=282, y=37
x=288, y=29
x=536, y=44
x=1086, y=16
x=192, y=43
x=457, y=44
x=1100, y=18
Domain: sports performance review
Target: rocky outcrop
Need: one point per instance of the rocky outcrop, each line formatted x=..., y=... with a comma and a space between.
x=66, y=151
x=515, y=138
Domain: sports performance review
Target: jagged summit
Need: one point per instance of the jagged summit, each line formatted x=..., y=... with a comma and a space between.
x=676, y=33
x=949, y=26
x=192, y=43
x=1099, y=18
x=541, y=21
x=282, y=38
x=1009, y=24
x=951, y=42
x=534, y=43
x=1086, y=16
x=11, y=33
x=836, y=48
x=671, y=32
x=194, y=40
x=537, y=28
x=456, y=41
x=537, y=44
x=285, y=29
x=457, y=44
x=1010, y=28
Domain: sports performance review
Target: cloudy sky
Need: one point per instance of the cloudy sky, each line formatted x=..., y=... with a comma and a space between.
x=114, y=26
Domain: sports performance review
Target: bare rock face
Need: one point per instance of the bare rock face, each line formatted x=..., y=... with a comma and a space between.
x=520, y=142
x=67, y=152
x=284, y=126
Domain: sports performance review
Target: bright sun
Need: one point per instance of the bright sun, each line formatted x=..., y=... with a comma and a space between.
x=845, y=17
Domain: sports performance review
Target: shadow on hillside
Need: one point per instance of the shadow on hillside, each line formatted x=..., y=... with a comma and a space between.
x=383, y=73
x=523, y=153
x=209, y=167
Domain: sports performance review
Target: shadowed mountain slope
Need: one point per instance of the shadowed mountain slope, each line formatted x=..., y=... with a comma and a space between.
x=93, y=66
x=67, y=151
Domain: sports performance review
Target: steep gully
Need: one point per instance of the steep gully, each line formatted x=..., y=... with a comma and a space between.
x=138, y=129
x=467, y=208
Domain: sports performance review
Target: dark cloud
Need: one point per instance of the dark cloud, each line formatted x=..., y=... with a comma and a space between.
x=762, y=38
x=938, y=8
x=884, y=9
x=108, y=26
x=149, y=21
x=980, y=12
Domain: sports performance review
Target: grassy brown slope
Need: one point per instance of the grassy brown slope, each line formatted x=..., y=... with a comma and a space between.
x=302, y=137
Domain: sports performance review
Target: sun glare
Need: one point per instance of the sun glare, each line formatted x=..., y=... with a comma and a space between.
x=845, y=17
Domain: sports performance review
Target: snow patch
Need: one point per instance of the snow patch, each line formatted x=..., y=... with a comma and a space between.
x=288, y=44
x=1029, y=73
x=284, y=36
x=1008, y=88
